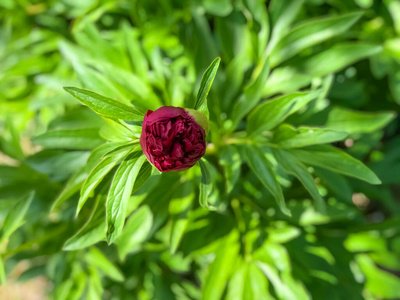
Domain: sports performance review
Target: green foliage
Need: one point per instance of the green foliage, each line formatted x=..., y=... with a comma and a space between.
x=296, y=196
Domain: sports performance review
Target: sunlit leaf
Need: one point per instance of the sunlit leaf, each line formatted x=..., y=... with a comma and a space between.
x=287, y=136
x=70, y=139
x=260, y=165
x=97, y=259
x=119, y=193
x=205, y=184
x=135, y=231
x=295, y=167
x=271, y=113
x=206, y=82
x=221, y=267
x=105, y=106
x=15, y=217
x=333, y=159
x=342, y=119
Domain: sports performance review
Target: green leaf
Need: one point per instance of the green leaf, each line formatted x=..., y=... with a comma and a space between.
x=286, y=80
x=286, y=287
x=293, y=166
x=205, y=184
x=337, y=57
x=179, y=208
x=282, y=15
x=287, y=136
x=333, y=159
x=73, y=185
x=76, y=181
x=114, y=131
x=92, y=232
x=260, y=27
x=206, y=82
x=380, y=283
x=15, y=217
x=104, y=106
x=248, y=282
x=2, y=272
x=70, y=139
x=144, y=174
x=219, y=8
x=342, y=119
x=63, y=290
x=256, y=285
x=98, y=173
x=96, y=258
x=311, y=33
x=136, y=55
x=252, y=93
x=263, y=169
x=135, y=232
x=111, y=80
x=119, y=193
x=95, y=289
x=231, y=162
x=271, y=113
x=221, y=268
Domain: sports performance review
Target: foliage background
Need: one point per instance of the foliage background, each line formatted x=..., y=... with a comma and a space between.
x=342, y=240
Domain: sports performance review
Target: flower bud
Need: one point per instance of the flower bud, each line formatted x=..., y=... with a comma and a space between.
x=172, y=138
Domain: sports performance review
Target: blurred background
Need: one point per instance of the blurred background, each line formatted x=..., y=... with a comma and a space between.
x=148, y=49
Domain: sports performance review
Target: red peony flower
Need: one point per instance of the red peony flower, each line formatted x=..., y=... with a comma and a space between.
x=172, y=139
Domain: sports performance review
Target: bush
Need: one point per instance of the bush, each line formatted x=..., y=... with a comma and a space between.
x=295, y=197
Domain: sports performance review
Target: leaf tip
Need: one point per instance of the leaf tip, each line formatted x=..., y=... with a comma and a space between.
x=286, y=211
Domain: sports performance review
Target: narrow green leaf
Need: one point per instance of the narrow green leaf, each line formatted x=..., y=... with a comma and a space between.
x=342, y=119
x=248, y=282
x=221, y=268
x=105, y=106
x=63, y=290
x=333, y=159
x=219, y=8
x=260, y=27
x=286, y=79
x=136, y=55
x=286, y=287
x=15, y=217
x=380, y=283
x=337, y=57
x=114, y=131
x=263, y=169
x=310, y=33
x=119, y=193
x=252, y=92
x=98, y=259
x=99, y=172
x=144, y=174
x=73, y=185
x=70, y=139
x=78, y=288
x=2, y=272
x=95, y=288
x=256, y=284
x=271, y=113
x=92, y=232
x=282, y=15
x=179, y=208
x=287, y=136
x=231, y=162
x=135, y=232
x=293, y=166
x=205, y=184
x=76, y=181
x=206, y=82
